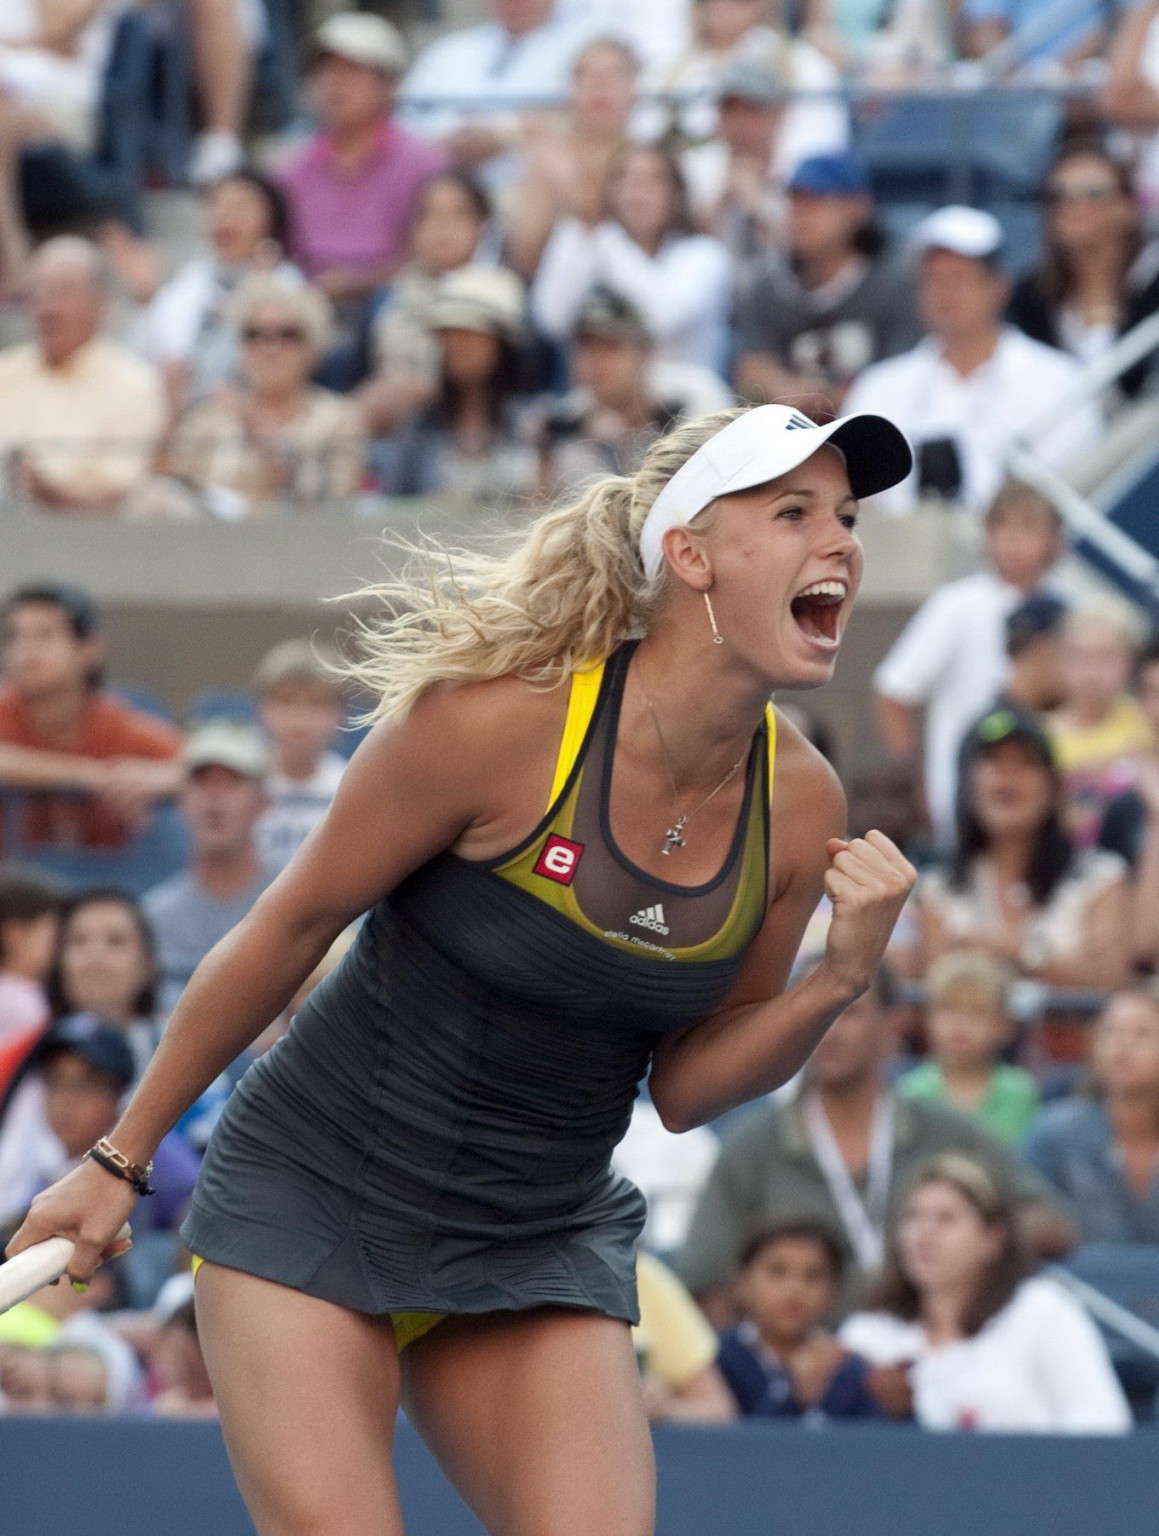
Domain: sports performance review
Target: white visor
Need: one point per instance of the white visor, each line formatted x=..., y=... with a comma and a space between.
x=761, y=445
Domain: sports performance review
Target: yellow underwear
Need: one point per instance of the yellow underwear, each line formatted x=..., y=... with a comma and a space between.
x=408, y=1326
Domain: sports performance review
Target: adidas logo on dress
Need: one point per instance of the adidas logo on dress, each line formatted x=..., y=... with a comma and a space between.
x=650, y=917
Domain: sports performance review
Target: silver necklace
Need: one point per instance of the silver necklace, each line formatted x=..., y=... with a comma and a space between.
x=674, y=837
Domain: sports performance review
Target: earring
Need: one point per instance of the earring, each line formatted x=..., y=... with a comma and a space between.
x=717, y=637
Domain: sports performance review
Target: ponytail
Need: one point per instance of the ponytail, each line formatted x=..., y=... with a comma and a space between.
x=565, y=596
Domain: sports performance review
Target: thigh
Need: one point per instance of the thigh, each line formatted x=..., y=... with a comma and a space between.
x=308, y=1394
x=538, y=1419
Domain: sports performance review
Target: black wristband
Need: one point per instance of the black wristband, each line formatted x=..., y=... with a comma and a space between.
x=141, y=1185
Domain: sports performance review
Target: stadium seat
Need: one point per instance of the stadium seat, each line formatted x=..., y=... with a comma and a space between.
x=236, y=704
x=155, y=854
x=1130, y=1276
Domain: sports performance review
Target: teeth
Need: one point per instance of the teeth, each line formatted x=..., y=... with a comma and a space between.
x=824, y=589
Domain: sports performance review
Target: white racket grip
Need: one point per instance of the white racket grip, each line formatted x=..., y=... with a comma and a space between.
x=37, y=1266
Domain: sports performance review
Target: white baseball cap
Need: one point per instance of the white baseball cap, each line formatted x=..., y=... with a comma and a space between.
x=965, y=231
x=225, y=744
x=759, y=446
x=363, y=39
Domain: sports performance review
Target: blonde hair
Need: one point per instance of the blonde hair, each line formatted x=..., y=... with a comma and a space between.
x=968, y=977
x=300, y=663
x=310, y=308
x=1105, y=614
x=565, y=596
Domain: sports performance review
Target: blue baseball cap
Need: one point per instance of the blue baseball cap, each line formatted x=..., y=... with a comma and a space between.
x=836, y=175
x=95, y=1041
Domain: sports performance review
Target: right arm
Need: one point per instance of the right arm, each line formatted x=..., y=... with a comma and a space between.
x=411, y=789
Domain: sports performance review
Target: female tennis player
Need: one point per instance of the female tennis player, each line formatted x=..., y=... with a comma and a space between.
x=587, y=847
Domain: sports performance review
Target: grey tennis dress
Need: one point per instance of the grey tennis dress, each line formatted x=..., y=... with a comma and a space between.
x=434, y=1132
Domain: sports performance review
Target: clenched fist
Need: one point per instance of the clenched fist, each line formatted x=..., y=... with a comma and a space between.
x=868, y=881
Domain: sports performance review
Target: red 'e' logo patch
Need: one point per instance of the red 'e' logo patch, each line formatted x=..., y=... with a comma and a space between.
x=559, y=860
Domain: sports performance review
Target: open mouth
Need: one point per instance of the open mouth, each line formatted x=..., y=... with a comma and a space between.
x=817, y=611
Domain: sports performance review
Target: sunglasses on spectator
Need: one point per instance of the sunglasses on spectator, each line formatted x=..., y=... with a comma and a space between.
x=1082, y=192
x=283, y=333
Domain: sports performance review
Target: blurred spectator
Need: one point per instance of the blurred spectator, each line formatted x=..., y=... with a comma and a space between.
x=568, y=171
x=188, y=328
x=1100, y=1150
x=625, y=398
x=1034, y=646
x=906, y=43
x=734, y=187
x=106, y=963
x=301, y=706
x=25, y=1379
x=466, y=445
x=728, y=32
x=1130, y=95
x=984, y=1347
x=1018, y=888
x=277, y=439
x=79, y=1377
x=841, y=297
x=222, y=800
x=780, y=1361
x=1065, y=35
x=87, y=768
x=669, y=1170
x=1131, y=824
x=889, y=797
x=974, y=385
x=837, y=1152
x=491, y=74
x=1129, y=815
x=968, y=1026
x=30, y=906
x=226, y=38
x=951, y=660
x=186, y=1392
x=449, y=230
x=81, y=416
x=67, y=1100
x=677, y=1349
x=354, y=188
x=52, y=62
x=646, y=253
x=1099, y=276
x=56, y=1320
x=1099, y=732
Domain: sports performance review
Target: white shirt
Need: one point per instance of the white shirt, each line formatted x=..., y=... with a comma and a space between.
x=489, y=74
x=670, y=1171
x=657, y=31
x=1038, y=1366
x=682, y=292
x=983, y=412
x=951, y=660
x=296, y=806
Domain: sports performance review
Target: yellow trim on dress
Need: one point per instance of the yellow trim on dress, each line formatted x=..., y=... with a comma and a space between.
x=408, y=1326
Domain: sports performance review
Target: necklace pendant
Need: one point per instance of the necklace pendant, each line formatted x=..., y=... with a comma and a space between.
x=672, y=838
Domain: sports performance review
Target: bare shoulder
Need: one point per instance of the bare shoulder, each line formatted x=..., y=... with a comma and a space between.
x=489, y=747
x=805, y=787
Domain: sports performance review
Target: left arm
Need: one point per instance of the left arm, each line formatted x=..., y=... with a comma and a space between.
x=762, y=1035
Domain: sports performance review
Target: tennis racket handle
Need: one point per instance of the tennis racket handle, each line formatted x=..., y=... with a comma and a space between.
x=37, y=1266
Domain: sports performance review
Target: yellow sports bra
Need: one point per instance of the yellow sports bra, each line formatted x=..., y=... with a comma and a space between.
x=572, y=862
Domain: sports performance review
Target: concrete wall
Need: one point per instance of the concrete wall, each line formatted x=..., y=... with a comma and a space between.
x=194, y=606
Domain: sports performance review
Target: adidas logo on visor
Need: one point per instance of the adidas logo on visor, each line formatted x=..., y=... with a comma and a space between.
x=650, y=917
x=797, y=421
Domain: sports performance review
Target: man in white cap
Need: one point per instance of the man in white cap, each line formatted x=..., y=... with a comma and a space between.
x=354, y=188
x=223, y=796
x=973, y=385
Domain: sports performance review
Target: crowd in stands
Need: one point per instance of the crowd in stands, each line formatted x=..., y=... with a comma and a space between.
x=496, y=265
x=394, y=293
